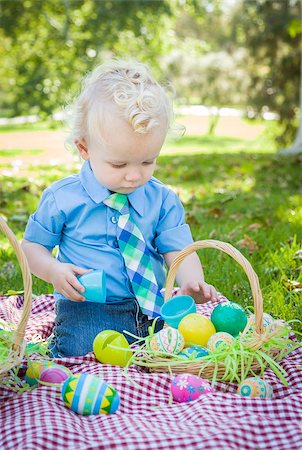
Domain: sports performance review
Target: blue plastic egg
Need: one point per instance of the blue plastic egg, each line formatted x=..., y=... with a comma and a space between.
x=87, y=394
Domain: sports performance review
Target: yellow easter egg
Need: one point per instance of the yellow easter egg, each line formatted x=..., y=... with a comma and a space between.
x=111, y=347
x=196, y=329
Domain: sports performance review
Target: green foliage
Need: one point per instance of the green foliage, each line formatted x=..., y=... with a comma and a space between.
x=271, y=31
x=233, y=190
x=49, y=45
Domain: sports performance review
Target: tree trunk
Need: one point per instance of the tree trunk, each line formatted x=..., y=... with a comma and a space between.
x=296, y=148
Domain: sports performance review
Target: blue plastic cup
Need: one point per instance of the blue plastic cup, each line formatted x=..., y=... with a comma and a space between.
x=176, y=309
x=95, y=286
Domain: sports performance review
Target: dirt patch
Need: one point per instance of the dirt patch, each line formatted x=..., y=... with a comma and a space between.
x=51, y=143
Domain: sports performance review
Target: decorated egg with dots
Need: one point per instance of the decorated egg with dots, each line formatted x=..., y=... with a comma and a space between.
x=193, y=352
x=220, y=340
x=168, y=340
x=55, y=375
x=87, y=394
x=186, y=387
x=34, y=370
x=255, y=387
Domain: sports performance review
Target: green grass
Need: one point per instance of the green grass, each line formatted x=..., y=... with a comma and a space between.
x=232, y=190
x=9, y=153
x=36, y=126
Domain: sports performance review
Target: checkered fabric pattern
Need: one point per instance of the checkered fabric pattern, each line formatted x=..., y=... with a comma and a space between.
x=146, y=420
x=136, y=257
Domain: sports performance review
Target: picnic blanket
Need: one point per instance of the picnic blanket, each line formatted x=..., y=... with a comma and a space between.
x=145, y=419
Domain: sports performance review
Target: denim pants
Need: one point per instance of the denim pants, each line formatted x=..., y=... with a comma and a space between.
x=78, y=323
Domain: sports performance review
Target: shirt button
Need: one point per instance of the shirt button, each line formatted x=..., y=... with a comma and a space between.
x=114, y=219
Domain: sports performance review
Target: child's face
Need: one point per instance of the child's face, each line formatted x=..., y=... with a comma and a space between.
x=124, y=160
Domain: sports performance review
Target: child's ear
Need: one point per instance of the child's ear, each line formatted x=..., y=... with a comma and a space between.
x=82, y=147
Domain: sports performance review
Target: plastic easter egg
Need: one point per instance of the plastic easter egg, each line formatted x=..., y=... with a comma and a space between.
x=196, y=329
x=168, y=340
x=186, y=387
x=176, y=308
x=103, y=347
x=193, y=352
x=220, y=340
x=35, y=368
x=55, y=375
x=229, y=317
x=87, y=394
x=255, y=387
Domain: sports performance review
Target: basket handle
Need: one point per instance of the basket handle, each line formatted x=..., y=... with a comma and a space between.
x=27, y=282
x=235, y=254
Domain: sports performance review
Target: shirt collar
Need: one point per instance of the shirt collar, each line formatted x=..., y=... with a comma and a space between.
x=99, y=193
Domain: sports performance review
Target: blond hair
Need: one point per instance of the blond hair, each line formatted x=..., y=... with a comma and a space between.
x=140, y=99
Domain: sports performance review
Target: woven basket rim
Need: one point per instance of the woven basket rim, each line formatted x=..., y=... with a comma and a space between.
x=196, y=367
x=227, y=248
x=18, y=344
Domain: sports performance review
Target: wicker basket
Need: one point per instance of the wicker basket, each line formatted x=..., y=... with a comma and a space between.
x=260, y=335
x=18, y=344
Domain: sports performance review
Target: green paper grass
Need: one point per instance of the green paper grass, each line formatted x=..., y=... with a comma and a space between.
x=11, y=380
x=237, y=359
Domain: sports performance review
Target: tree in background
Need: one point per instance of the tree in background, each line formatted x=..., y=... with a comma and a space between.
x=49, y=45
x=242, y=53
x=270, y=30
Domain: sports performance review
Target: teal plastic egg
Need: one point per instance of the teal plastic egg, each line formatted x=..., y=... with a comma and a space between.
x=255, y=387
x=229, y=317
x=87, y=394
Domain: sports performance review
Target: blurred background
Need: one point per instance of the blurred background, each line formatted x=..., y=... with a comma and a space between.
x=243, y=55
x=236, y=69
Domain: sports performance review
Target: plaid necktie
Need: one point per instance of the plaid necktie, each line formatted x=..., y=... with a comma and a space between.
x=136, y=257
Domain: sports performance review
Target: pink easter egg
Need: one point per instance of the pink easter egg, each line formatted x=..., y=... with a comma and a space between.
x=186, y=387
x=55, y=375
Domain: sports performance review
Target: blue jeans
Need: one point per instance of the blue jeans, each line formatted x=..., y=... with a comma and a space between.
x=78, y=323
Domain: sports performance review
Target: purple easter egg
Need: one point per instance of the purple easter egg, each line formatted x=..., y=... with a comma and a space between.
x=55, y=375
x=186, y=387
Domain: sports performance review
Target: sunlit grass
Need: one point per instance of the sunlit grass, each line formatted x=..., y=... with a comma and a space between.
x=9, y=153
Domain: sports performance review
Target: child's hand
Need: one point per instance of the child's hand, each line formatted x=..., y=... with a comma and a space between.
x=201, y=291
x=64, y=280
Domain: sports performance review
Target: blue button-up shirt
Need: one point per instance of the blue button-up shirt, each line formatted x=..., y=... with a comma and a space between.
x=72, y=216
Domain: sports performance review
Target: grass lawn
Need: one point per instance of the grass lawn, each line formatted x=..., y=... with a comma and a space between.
x=233, y=190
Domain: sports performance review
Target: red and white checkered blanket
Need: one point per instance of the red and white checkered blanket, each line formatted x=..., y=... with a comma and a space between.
x=145, y=419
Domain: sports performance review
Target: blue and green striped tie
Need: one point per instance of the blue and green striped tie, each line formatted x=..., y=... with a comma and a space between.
x=136, y=257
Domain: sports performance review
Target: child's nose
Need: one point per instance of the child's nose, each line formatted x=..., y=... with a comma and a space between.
x=133, y=175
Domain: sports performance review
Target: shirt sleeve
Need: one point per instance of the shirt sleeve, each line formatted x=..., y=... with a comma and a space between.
x=45, y=226
x=173, y=233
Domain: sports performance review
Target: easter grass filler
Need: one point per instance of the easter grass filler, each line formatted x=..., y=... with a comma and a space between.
x=10, y=379
x=251, y=352
x=232, y=362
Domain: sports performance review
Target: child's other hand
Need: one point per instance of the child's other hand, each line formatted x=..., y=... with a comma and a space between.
x=64, y=280
x=201, y=291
